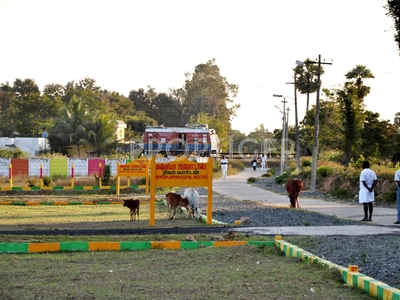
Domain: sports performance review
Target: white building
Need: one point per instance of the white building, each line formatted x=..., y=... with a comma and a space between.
x=32, y=146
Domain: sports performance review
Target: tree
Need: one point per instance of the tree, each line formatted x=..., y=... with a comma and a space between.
x=207, y=91
x=137, y=124
x=330, y=125
x=87, y=91
x=375, y=134
x=117, y=104
x=32, y=112
x=102, y=134
x=307, y=80
x=393, y=11
x=164, y=108
x=7, y=110
x=351, y=101
x=71, y=127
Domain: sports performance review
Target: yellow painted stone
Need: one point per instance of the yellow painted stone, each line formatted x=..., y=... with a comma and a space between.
x=353, y=268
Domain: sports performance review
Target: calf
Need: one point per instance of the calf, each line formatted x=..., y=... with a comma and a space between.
x=133, y=205
x=175, y=200
x=294, y=187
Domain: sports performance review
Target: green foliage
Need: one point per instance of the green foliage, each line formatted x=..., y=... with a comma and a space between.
x=106, y=178
x=324, y=171
x=237, y=164
x=32, y=182
x=388, y=197
x=46, y=180
x=216, y=166
x=306, y=163
x=284, y=177
x=207, y=91
x=251, y=179
x=393, y=11
x=5, y=153
x=101, y=134
x=56, y=177
x=267, y=174
x=141, y=181
x=340, y=193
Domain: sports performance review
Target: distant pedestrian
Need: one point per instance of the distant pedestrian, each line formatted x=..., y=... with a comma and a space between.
x=397, y=180
x=224, y=166
x=263, y=162
x=366, y=196
x=254, y=163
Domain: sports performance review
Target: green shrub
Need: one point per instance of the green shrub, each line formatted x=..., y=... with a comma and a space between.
x=324, y=171
x=237, y=164
x=46, y=180
x=306, y=163
x=56, y=177
x=272, y=171
x=338, y=193
x=32, y=182
x=252, y=179
x=106, y=178
x=283, y=178
x=141, y=181
x=389, y=197
x=268, y=174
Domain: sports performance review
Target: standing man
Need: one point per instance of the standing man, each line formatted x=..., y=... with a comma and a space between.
x=263, y=161
x=224, y=166
x=397, y=180
x=366, y=196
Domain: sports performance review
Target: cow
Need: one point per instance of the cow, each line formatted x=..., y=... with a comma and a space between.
x=176, y=201
x=294, y=186
x=193, y=196
x=133, y=205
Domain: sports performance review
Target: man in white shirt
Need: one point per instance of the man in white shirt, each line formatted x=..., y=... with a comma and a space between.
x=397, y=180
x=224, y=166
x=366, y=196
x=263, y=161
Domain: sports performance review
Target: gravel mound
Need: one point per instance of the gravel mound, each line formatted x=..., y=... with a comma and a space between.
x=376, y=256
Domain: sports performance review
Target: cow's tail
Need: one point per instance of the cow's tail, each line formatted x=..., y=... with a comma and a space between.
x=292, y=201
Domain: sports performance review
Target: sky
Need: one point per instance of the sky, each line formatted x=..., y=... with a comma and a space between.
x=130, y=44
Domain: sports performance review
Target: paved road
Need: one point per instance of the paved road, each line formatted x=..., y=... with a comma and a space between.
x=237, y=187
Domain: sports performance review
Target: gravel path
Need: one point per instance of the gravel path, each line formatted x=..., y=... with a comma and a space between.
x=376, y=256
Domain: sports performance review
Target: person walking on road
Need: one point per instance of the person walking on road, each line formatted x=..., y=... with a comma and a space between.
x=224, y=166
x=254, y=163
x=397, y=180
x=366, y=196
x=263, y=161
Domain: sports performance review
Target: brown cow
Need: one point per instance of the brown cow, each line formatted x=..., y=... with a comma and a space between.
x=294, y=186
x=176, y=200
x=133, y=205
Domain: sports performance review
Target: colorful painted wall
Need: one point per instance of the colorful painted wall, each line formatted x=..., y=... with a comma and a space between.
x=56, y=166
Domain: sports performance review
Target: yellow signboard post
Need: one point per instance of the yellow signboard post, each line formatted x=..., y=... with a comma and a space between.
x=181, y=173
x=136, y=168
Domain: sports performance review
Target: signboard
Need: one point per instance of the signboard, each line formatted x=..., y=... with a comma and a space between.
x=136, y=168
x=181, y=173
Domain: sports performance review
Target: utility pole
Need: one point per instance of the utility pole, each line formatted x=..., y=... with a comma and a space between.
x=316, y=130
x=287, y=139
x=230, y=134
x=297, y=122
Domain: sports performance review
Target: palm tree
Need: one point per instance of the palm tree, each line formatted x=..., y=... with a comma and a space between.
x=102, y=134
x=356, y=76
x=307, y=80
x=73, y=123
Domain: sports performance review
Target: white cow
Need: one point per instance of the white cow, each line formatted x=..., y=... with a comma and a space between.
x=193, y=196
